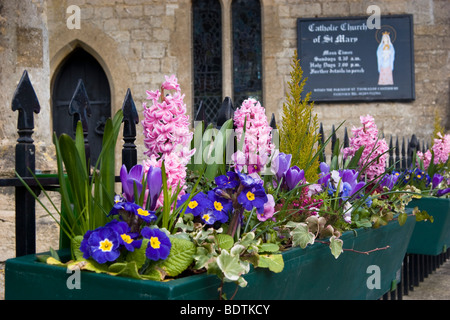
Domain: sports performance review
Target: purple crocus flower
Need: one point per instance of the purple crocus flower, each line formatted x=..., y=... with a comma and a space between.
x=437, y=179
x=442, y=192
x=129, y=180
x=324, y=168
x=154, y=185
x=389, y=181
x=294, y=176
x=281, y=164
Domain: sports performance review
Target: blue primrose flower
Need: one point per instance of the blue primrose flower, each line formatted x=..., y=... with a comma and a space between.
x=159, y=244
x=126, y=238
x=228, y=181
x=209, y=216
x=121, y=206
x=102, y=244
x=253, y=196
x=220, y=206
x=197, y=205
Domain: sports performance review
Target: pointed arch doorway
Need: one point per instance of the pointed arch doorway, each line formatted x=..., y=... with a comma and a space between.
x=79, y=64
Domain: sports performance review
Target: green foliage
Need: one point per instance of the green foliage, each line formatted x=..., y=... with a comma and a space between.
x=85, y=198
x=437, y=127
x=211, y=150
x=299, y=126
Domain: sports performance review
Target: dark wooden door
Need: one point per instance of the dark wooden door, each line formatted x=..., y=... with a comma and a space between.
x=81, y=65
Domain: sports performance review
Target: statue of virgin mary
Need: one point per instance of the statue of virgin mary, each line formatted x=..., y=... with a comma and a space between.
x=385, y=57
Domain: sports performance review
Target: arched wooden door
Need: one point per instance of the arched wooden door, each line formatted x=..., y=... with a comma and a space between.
x=81, y=65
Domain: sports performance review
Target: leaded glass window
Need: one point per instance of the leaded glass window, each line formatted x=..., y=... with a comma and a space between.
x=247, y=50
x=207, y=50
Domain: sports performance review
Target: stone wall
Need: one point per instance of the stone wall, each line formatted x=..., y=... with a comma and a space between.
x=137, y=42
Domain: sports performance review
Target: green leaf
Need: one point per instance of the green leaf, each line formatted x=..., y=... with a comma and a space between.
x=301, y=236
x=274, y=262
x=125, y=269
x=138, y=255
x=336, y=246
x=353, y=164
x=247, y=239
x=180, y=256
x=422, y=215
x=224, y=241
x=268, y=247
x=230, y=266
x=402, y=218
x=75, y=243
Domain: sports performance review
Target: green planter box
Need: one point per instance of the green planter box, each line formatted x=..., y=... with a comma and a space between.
x=311, y=273
x=431, y=238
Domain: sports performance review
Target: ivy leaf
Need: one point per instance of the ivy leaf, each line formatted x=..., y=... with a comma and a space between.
x=336, y=246
x=247, y=239
x=301, y=236
x=274, y=262
x=230, y=266
x=268, y=247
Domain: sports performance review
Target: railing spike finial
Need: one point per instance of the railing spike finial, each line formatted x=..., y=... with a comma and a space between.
x=200, y=115
x=26, y=102
x=226, y=112
x=80, y=109
x=273, y=122
x=130, y=119
x=79, y=106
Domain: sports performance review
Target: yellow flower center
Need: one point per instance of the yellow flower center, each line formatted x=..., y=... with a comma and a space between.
x=143, y=212
x=218, y=206
x=106, y=245
x=250, y=196
x=192, y=204
x=206, y=217
x=154, y=242
x=126, y=238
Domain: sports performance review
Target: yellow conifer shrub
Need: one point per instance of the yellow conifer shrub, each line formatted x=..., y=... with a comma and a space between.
x=299, y=125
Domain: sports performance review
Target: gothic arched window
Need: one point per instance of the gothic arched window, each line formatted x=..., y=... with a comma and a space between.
x=247, y=50
x=207, y=52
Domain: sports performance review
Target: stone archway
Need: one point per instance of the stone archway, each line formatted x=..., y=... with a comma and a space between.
x=105, y=50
